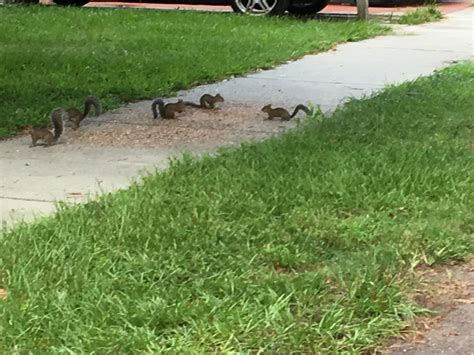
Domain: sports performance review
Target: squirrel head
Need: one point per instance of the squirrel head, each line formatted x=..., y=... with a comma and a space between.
x=266, y=108
x=28, y=129
x=219, y=98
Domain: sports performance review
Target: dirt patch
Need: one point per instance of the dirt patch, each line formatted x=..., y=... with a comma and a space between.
x=448, y=291
x=135, y=127
x=3, y=294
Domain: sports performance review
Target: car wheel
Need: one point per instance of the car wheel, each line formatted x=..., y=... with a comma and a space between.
x=260, y=7
x=307, y=7
x=71, y=2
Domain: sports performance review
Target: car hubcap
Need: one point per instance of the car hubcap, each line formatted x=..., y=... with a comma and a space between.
x=256, y=7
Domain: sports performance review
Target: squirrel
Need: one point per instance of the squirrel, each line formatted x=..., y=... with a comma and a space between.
x=76, y=116
x=57, y=118
x=206, y=101
x=281, y=112
x=168, y=110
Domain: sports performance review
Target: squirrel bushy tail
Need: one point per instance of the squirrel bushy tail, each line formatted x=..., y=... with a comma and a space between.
x=88, y=103
x=161, y=106
x=58, y=116
x=192, y=104
x=302, y=108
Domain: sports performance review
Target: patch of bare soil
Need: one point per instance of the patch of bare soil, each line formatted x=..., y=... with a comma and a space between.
x=449, y=292
x=134, y=126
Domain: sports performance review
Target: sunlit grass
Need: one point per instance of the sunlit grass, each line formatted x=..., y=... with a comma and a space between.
x=301, y=243
x=420, y=15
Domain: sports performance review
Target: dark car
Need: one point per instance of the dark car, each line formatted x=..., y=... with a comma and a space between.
x=252, y=7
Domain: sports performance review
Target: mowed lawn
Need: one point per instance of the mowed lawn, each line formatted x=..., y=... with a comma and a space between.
x=53, y=56
x=307, y=242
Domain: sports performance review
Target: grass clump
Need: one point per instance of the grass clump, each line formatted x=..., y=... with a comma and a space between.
x=420, y=15
x=299, y=243
x=56, y=56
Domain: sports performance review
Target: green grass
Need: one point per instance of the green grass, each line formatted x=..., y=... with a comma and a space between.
x=305, y=242
x=53, y=56
x=428, y=13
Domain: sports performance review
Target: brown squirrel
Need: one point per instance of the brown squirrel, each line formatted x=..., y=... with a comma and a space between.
x=281, y=112
x=57, y=117
x=76, y=116
x=168, y=110
x=206, y=101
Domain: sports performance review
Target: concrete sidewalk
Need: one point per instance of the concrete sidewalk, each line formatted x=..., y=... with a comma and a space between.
x=32, y=179
x=358, y=68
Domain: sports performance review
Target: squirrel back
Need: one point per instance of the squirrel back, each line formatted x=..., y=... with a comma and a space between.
x=76, y=117
x=207, y=101
x=276, y=112
x=167, y=111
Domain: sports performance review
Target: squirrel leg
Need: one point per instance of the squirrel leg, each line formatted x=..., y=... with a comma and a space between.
x=169, y=115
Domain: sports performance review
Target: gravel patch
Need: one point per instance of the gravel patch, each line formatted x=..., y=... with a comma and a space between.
x=133, y=126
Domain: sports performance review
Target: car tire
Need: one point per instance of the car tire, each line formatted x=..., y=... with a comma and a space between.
x=307, y=7
x=71, y=2
x=260, y=7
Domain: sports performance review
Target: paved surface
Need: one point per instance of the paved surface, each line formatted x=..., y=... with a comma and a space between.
x=32, y=179
x=455, y=334
x=357, y=68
